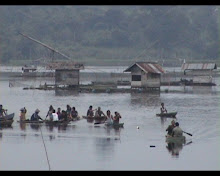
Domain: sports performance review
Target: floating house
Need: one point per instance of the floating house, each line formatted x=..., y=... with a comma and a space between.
x=29, y=71
x=66, y=73
x=198, y=73
x=146, y=75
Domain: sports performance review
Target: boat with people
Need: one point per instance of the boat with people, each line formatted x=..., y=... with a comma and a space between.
x=168, y=114
x=8, y=116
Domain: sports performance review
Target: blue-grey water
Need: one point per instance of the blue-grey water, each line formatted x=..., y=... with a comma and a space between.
x=83, y=146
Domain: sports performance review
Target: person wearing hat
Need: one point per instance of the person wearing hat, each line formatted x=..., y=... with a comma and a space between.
x=170, y=128
x=177, y=131
x=22, y=114
x=35, y=116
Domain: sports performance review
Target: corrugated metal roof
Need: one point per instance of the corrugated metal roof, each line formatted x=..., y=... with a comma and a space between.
x=147, y=67
x=198, y=66
x=65, y=65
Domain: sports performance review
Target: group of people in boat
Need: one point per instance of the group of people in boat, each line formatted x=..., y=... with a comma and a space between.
x=174, y=130
x=109, y=118
x=70, y=114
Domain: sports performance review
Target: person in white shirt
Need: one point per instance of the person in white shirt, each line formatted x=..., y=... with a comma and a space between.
x=55, y=116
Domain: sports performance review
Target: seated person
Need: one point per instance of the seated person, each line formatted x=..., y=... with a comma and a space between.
x=35, y=116
x=116, y=118
x=2, y=111
x=90, y=112
x=55, y=116
x=74, y=113
x=99, y=112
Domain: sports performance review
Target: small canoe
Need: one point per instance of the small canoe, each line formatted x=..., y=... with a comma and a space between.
x=169, y=114
x=6, y=123
x=8, y=117
x=94, y=118
x=56, y=123
x=114, y=125
x=171, y=139
x=30, y=121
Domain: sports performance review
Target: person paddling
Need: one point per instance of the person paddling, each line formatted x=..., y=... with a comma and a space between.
x=35, y=116
x=170, y=128
x=177, y=131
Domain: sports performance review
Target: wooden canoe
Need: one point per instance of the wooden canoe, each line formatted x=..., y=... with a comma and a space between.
x=114, y=125
x=171, y=139
x=8, y=117
x=94, y=118
x=6, y=123
x=169, y=114
x=30, y=121
x=56, y=123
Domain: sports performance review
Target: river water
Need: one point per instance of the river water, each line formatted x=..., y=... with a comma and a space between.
x=84, y=146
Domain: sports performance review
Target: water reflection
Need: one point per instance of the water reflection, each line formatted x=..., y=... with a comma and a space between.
x=105, y=146
x=146, y=99
x=59, y=92
x=174, y=148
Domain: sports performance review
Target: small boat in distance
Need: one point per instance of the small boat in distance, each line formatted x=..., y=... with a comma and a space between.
x=7, y=117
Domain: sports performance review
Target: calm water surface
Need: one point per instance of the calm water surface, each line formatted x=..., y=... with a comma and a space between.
x=83, y=146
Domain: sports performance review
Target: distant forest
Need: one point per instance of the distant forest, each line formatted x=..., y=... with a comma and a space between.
x=110, y=35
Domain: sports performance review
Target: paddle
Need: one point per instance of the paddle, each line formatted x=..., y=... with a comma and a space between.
x=187, y=133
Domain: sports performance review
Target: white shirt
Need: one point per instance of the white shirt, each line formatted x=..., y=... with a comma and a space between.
x=55, y=117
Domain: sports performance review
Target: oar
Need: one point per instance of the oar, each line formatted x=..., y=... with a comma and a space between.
x=187, y=133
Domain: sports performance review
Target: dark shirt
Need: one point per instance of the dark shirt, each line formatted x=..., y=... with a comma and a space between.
x=35, y=117
x=63, y=116
x=90, y=112
x=170, y=129
x=74, y=114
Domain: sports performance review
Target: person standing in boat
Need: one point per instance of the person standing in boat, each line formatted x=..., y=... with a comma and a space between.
x=170, y=128
x=23, y=114
x=50, y=111
x=2, y=111
x=116, y=118
x=74, y=113
x=177, y=131
x=90, y=112
x=59, y=113
x=99, y=112
x=35, y=116
x=68, y=111
x=163, y=109
x=109, y=118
